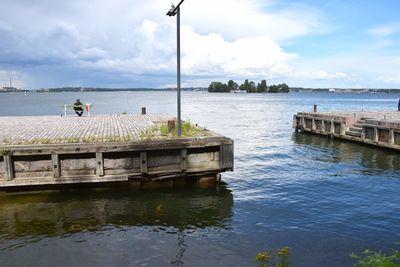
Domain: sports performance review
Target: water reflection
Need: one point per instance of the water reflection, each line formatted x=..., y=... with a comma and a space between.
x=46, y=214
x=373, y=159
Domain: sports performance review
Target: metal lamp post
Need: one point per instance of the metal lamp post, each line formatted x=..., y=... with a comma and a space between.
x=172, y=12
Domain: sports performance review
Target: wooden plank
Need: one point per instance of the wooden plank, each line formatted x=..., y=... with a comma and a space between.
x=391, y=137
x=184, y=164
x=99, y=164
x=73, y=148
x=143, y=162
x=9, y=167
x=226, y=157
x=56, y=165
x=376, y=134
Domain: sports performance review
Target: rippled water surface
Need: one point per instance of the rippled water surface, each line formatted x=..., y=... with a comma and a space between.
x=323, y=198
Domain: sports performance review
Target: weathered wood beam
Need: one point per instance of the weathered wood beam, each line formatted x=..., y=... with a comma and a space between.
x=56, y=165
x=9, y=167
x=184, y=164
x=226, y=157
x=99, y=164
x=143, y=162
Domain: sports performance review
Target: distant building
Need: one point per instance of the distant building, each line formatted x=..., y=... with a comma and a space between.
x=332, y=90
x=9, y=88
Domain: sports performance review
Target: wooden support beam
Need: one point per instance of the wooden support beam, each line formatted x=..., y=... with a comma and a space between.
x=313, y=127
x=343, y=128
x=376, y=134
x=99, y=164
x=322, y=130
x=332, y=130
x=143, y=162
x=184, y=164
x=391, y=137
x=226, y=157
x=56, y=165
x=9, y=167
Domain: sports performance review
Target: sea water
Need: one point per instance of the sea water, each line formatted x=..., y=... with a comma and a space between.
x=323, y=198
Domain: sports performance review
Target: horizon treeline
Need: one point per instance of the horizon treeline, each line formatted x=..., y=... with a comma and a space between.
x=249, y=87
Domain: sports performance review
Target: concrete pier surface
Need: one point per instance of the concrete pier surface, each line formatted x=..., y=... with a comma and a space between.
x=52, y=150
x=379, y=128
x=73, y=129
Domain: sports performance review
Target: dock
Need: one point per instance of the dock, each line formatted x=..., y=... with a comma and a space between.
x=381, y=128
x=54, y=150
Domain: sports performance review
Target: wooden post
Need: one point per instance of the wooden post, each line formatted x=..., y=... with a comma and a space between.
x=343, y=128
x=99, y=164
x=143, y=110
x=184, y=160
x=9, y=167
x=363, y=133
x=56, y=165
x=226, y=157
x=322, y=126
x=376, y=134
x=391, y=137
x=313, y=127
x=315, y=108
x=143, y=162
x=296, y=123
x=65, y=110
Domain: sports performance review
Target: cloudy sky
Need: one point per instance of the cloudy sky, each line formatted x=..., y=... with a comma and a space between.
x=131, y=43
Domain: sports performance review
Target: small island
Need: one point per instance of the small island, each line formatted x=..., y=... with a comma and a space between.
x=247, y=87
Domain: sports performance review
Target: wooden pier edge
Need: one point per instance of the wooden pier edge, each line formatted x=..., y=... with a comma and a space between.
x=103, y=162
x=356, y=127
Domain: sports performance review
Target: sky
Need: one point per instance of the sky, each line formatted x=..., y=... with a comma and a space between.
x=131, y=44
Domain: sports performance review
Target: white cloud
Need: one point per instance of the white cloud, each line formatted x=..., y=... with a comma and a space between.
x=384, y=31
x=202, y=55
x=131, y=40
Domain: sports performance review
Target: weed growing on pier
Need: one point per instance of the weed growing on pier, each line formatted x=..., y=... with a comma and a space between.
x=7, y=141
x=163, y=131
x=5, y=152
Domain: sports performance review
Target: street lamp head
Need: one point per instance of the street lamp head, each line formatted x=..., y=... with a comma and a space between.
x=172, y=11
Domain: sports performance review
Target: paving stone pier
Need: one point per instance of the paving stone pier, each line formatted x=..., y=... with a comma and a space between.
x=375, y=128
x=52, y=150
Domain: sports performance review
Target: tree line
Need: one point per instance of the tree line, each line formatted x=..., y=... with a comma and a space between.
x=249, y=87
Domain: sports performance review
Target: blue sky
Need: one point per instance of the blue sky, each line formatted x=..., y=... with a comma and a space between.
x=130, y=43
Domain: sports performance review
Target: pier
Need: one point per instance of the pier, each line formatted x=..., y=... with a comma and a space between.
x=54, y=150
x=374, y=128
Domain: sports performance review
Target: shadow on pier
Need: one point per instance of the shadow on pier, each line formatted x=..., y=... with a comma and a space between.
x=373, y=159
x=61, y=213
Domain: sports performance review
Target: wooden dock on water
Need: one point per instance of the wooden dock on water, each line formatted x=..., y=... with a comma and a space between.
x=374, y=128
x=54, y=150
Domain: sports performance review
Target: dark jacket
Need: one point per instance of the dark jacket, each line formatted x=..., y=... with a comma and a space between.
x=78, y=106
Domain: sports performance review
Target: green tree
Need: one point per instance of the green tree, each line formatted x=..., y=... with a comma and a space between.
x=284, y=88
x=273, y=89
x=218, y=87
x=252, y=87
x=245, y=85
x=232, y=85
x=262, y=87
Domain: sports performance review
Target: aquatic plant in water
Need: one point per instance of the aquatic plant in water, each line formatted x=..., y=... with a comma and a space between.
x=369, y=258
x=274, y=258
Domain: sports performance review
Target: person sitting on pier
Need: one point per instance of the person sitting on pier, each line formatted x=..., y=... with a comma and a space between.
x=78, y=107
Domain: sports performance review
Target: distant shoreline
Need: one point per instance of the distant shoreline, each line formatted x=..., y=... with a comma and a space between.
x=202, y=89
